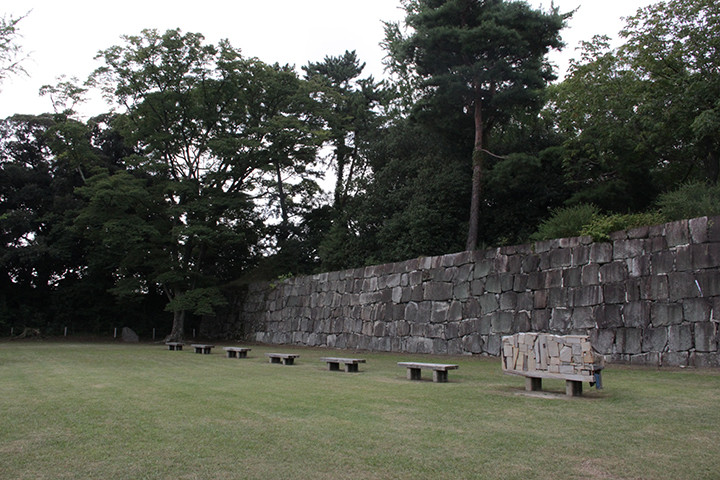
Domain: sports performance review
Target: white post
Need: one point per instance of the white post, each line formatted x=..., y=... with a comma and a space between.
x=115, y=332
x=153, y=334
x=193, y=333
x=65, y=331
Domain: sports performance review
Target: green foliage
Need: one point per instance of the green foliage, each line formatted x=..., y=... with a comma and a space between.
x=691, y=200
x=601, y=226
x=566, y=222
x=586, y=219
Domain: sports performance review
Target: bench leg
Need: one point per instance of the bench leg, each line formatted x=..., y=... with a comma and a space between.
x=333, y=366
x=351, y=367
x=573, y=388
x=275, y=360
x=288, y=361
x=242, y=354
x=413, y=373
x=179, y=347
x=231, y=354
x=440, y=376
x=533, y=384
x=198, y=350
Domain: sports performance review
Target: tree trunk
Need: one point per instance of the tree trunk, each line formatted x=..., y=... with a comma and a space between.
x=477, y=173
x=178, y=328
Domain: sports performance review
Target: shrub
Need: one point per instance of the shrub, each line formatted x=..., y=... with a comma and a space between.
x=691, y=200
x=602, y=226
x=566, y=222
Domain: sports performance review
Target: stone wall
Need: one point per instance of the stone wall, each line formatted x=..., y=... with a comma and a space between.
x=650, y=296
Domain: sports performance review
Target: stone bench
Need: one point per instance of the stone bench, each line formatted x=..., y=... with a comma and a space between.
x=174, y=345
x=440, y=370
x=202, y=348
x=351, y=364
x=236, y=352
x=284, y=358
x=565, y=357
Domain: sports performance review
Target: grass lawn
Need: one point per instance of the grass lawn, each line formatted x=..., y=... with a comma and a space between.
x=112, y=411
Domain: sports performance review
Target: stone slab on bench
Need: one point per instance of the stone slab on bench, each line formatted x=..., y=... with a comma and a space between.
x=174, y=345
x=440, y=370
x=540, y=355
x=351, y=364
x=284, y=358
x=236, y=352
x=202, y=348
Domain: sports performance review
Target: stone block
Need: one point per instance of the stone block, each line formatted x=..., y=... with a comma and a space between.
x=677, y=233
x=530, y=264
x=560, y=319
x=698, y=228
x=706, y=339
x=583, y=317
x=540, y=298
x=439, y=312
x=636, y=314
x=613, y=272
x=615, y=293
x=492, y=344
x=709, y=283
x=540, y=320
x=587, y=296
x=521, y=322
x=438, y=291
x=553, y=279
x=656, y=288
x=608, y=316
x=536, y=280
x=680, y=337
x=705, y=256
x=697, y=309
x=455, y=312
x=623, y=249
x=560, y=258
x=663, y=314
x=647, y=359
x=682, y=285
x=628, y=341
x=520, y=282
x=508, y=301
x=524, y=301
x=705, y=360
x=713, y=229
x=472, y=343
x=557, y=297
x=493, y=284
x=601, y=253
x=502, y=322
x=590, y=274
x=662, y=262
x=572, y=277
x=477, y=287
x=675, y=359
x=580, y=255
x=603, y=340
x=488, y=303
x=654, y=339
x=638, y=266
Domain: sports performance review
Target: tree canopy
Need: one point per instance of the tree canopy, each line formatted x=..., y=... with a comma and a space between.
x=212, y=169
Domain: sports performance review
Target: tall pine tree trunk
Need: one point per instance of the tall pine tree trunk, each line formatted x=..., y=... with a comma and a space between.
x=477, y=174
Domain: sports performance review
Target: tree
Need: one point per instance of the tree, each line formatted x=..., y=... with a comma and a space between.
x=11, y=56
x=673, y=46
x=181, y=218
x=487, y=58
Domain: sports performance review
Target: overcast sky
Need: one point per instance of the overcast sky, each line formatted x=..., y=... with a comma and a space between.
x=62, y=37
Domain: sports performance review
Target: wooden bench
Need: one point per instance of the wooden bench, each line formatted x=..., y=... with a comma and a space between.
x=202, y=348
x=174, y=345
x=236, y=352
x=440, y=370
x=351, y=364
x=284, y=358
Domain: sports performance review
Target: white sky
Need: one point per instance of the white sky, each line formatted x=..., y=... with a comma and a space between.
x=63, y=36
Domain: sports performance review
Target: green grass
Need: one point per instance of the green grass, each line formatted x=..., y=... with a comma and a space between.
x=142, y=412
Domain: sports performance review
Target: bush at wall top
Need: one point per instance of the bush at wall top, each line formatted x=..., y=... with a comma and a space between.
x=566, y=222
x=602, y=226
x=692, y=200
